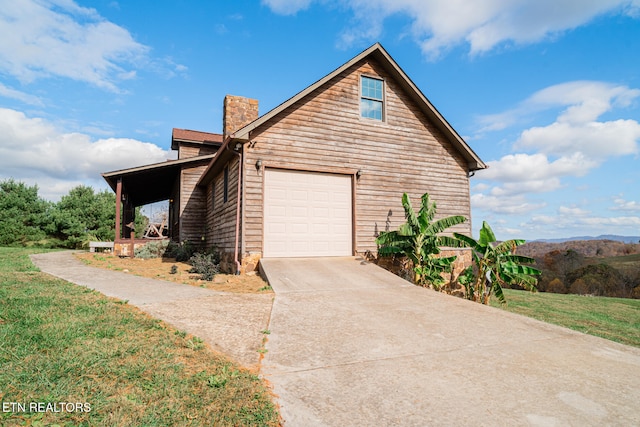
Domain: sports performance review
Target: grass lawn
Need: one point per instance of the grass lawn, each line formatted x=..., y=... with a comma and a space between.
x=114, y=364
x=617, y=319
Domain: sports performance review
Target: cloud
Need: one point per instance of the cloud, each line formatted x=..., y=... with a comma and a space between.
x=33, y=148
x=439, y=25
x=625, y=205
x=563, y=210
x=535, y=167
x=514, y=205
x=59, y=38
x=287, y=7
x=26, y=98
x=582, y=101
x=584, y=223
x=594, y=140
x=572, y=146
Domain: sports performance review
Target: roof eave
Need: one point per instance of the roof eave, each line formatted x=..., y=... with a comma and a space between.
x=224, y=154
x=473, y=160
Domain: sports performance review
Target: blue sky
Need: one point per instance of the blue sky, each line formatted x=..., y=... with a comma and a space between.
x=546, y=92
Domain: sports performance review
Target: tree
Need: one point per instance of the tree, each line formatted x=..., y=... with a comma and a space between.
x=83, y=212
x=495, y=265
x=601, y=280
x=556, y=286
x=22, y=213
x=418, y=240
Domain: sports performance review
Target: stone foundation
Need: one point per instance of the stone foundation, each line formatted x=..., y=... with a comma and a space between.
x=402, y=267
x=123, y=248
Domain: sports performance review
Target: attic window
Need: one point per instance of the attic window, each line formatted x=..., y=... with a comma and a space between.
x=371, y=98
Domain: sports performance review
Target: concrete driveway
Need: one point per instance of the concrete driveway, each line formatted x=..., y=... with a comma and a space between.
x=354, y=345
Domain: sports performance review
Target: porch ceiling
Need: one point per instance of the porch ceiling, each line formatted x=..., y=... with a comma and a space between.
x=151, y=183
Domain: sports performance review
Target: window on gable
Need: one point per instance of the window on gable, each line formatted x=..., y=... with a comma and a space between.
x=371, y=98
x=225, y=190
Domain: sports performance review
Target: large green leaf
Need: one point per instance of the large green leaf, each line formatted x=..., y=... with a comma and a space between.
x=442, y=224
x=409, y=213
x=486, y=235
x=467, y=241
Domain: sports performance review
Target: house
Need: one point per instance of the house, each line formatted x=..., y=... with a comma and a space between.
x=319, y=175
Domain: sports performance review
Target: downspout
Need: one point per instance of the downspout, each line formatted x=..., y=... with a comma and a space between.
x=238, y=200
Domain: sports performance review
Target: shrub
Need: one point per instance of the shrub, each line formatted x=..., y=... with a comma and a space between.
x=206, y=265
x=154, y=249
x=182, y=251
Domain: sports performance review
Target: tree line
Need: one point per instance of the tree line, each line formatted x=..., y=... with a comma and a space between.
x=26, y=219
x=598, y=268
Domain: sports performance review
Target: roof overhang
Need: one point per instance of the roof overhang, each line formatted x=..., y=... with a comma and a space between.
x=226, y=152
x=380, y=54
x=152, y=183
x=194, y=137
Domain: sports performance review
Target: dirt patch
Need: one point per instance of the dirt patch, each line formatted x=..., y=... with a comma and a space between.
x=160, y=268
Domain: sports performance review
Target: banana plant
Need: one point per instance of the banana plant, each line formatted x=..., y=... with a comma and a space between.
x=418, y=240
x=495, y=265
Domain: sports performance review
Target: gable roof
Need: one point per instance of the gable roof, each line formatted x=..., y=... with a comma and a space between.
x=194, y=136
x=379, y=53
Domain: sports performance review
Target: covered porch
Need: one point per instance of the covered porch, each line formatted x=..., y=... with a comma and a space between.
x=140, y=186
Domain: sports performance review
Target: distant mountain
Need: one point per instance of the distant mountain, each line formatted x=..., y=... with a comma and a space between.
x=624, y=239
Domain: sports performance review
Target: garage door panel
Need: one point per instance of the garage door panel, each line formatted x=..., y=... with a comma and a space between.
x=307, y=214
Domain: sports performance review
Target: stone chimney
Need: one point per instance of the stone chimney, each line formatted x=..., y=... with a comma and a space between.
x=238, y=112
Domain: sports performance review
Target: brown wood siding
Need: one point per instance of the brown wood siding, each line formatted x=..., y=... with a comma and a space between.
x=324, y=131
x=187, y=150
x=192, y=206
x=221, y=216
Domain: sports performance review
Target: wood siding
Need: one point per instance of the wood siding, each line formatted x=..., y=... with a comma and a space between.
x=187, y=150
x=192, y=206
x=324, y=132
x=221, y=216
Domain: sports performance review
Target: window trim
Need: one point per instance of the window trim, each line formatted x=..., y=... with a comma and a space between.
x=382, y=101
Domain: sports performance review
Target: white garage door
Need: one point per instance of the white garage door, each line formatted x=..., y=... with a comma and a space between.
x=307, y=214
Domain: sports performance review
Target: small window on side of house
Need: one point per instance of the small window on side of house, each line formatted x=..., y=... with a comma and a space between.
x=225, y=190
x=371, y=98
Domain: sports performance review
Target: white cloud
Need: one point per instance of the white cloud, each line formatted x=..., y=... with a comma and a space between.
x=59, y=38
x=35, y=148
x=572, y=146
x=547, y=226
x=535, y=167
x=514, y=205
x=630, y=222
x=594, y=140
x=438, y=25
x=287, y=7
x=563, y=210
x=8, y=92
x=625, y=205
x=583, y=101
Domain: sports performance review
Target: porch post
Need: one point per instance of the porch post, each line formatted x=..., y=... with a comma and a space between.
x=118, y=208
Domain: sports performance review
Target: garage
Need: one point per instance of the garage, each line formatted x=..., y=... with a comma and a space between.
x=307, y=214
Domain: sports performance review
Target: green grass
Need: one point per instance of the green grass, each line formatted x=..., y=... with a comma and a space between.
x=65, y=343
x=616, y=319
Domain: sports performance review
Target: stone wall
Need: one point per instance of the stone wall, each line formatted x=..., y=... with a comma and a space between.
x=401, y=266
x=238, y=112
